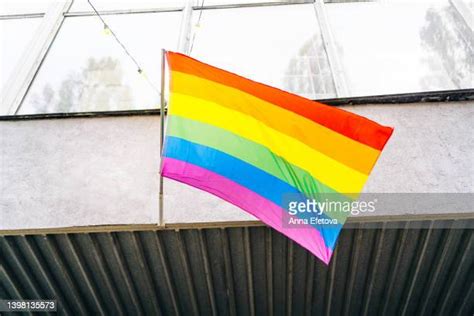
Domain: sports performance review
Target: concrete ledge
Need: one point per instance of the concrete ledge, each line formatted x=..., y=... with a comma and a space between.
x=104, y=171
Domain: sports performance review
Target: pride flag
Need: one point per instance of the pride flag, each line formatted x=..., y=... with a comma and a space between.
x=251, y=145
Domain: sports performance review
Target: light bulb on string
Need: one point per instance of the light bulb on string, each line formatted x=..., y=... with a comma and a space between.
x=106, y=30
x=142, y=73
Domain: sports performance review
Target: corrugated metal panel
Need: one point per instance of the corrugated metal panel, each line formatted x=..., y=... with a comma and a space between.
x=243, y=271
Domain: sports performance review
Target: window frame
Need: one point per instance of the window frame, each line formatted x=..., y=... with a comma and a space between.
x=17, y=85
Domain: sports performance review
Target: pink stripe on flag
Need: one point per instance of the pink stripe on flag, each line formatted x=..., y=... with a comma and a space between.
x=265, y=210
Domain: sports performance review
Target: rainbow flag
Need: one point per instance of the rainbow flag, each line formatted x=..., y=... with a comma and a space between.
x=251, y=145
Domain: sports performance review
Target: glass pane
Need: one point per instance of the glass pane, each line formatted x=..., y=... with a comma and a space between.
x=87, y=70
x=280, y=46
x=83, y=5
x=24, y=6
x=15, y=35
x=403, y=46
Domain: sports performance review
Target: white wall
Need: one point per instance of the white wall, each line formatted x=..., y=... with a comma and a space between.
x=97, y=171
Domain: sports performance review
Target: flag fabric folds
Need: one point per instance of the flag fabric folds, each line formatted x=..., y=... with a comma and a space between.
x=251, y=144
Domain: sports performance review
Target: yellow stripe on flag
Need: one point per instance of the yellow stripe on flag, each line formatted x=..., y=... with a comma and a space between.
x=330, y=143
x=327, y=170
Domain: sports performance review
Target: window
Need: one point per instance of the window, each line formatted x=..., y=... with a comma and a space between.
x=284, y=49
x=403, y=46
x=87, y=70
x=15, y=35
x=335, y=48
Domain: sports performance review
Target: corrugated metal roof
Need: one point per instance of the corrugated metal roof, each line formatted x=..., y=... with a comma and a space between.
x=244, y=271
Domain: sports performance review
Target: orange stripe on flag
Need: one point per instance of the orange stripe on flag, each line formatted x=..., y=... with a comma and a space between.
x=351, y=125
x=318, y=137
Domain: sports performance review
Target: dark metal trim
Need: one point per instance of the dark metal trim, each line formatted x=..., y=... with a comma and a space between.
x=43, y=116
x=418, y=97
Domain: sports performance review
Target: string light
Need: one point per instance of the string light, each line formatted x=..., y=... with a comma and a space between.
x=108, y=31
x=197, y=25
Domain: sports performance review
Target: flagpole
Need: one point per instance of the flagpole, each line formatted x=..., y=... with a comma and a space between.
x=162, y=134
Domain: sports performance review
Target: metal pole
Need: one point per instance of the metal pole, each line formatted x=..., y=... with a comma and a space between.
x=162, y=134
